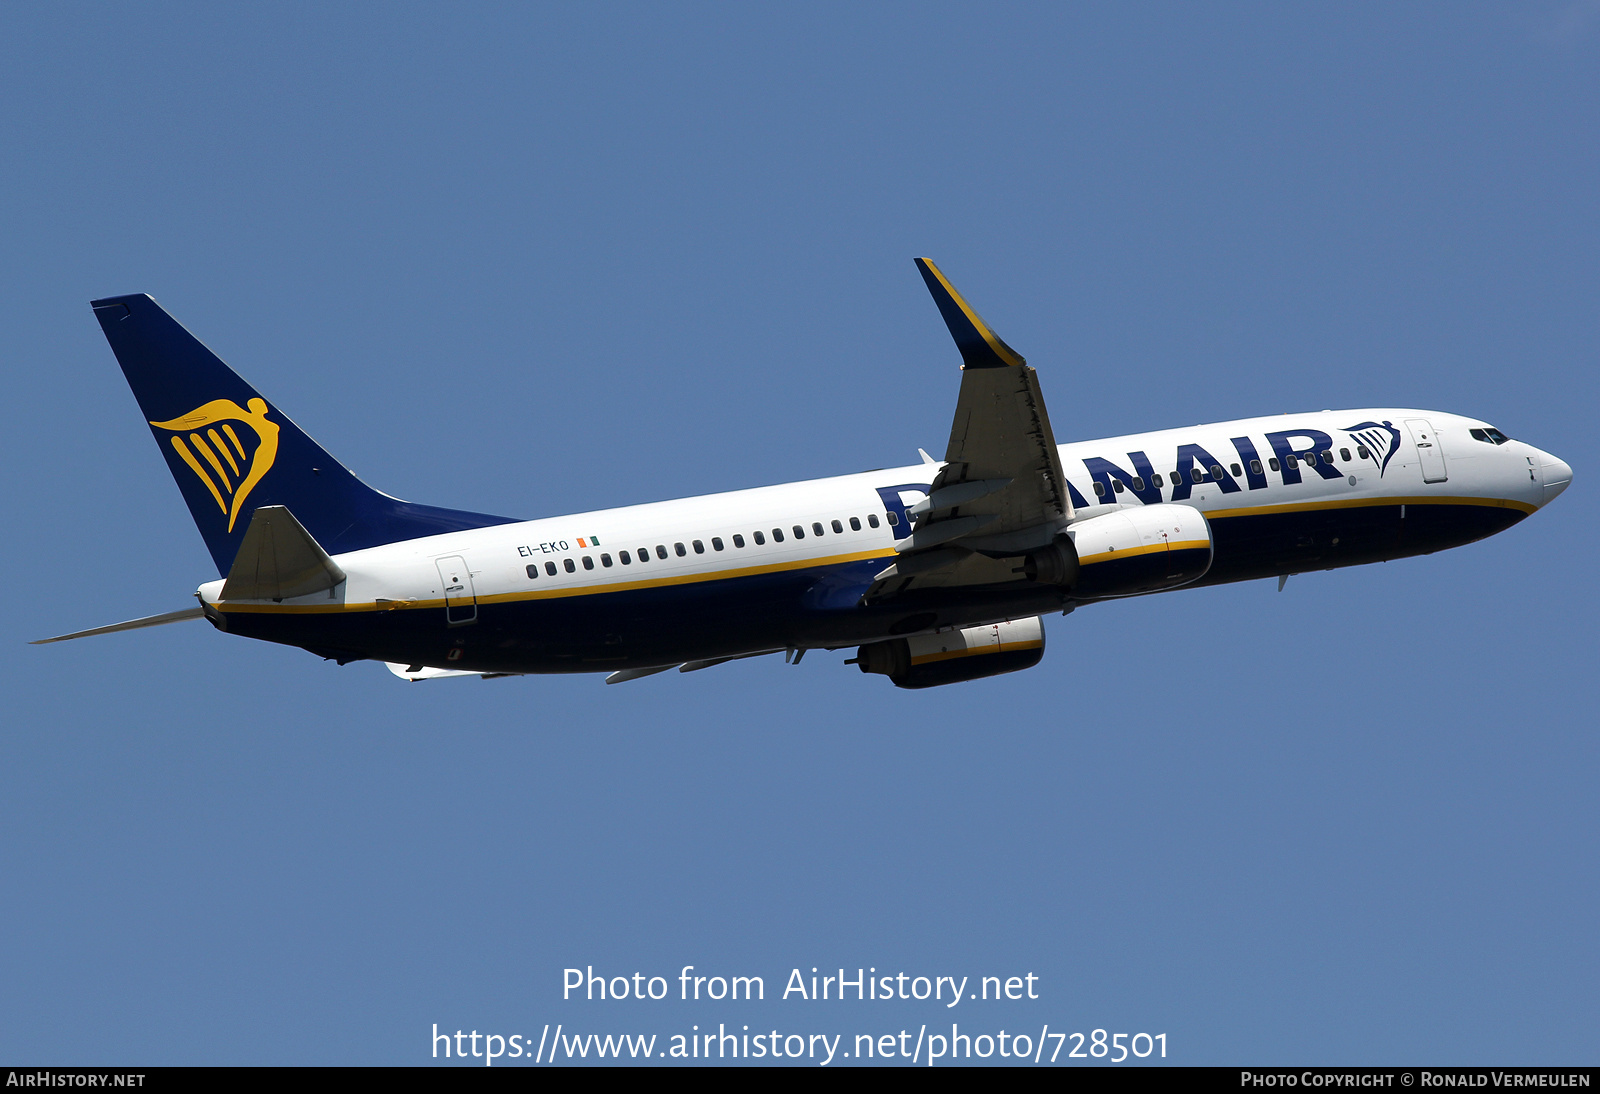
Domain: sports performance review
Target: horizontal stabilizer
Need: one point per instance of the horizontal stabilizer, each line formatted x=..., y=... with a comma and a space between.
x=130, y=625
x=278, y=560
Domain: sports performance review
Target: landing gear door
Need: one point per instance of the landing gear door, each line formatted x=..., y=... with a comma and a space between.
x=460, y=602
x=1429, y=453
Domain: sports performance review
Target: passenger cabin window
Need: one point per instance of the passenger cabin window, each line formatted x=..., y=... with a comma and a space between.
x=760, y=539
x=681, y=549
x=699, y=548
x=1235, y=469
x=1344, y=454
x=1255, y=466
x=588, y=563
x=738, y=541
x=661, y=551
x=1290, y=461
x=571, y=568
x=1361, y=450
x=1155, y=480
x=872, y=519
x=816, y=528
x=626, y=560
x=550, y=568
x=1138, y=483
x=1196, y=475
x=1099, y=489
x=1216, y=472
x=799, y=532
x=855, y=524
x=605, y=560
x=1273, y=463
x=1116, y=484
x=893, y=520
x=716, y=543
x=777, y=535
x=533, y=570
x=837, y=527
x=644, y=554
x=1327, y=457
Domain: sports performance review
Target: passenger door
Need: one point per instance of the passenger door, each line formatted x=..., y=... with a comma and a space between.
x=1429, y=453
x=460, y=601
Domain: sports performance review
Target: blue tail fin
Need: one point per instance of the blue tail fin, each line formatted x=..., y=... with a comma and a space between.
x=233, y=452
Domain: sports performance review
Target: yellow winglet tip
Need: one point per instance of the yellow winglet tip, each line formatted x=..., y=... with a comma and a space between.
x=980, y=346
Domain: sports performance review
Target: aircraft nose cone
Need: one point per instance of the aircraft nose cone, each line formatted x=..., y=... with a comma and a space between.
x=1557, y=476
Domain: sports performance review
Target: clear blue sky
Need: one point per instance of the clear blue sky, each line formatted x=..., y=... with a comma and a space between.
x=535, y=260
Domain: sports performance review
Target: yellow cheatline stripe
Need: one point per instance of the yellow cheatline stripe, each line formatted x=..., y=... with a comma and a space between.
x=1148, y=548
x=982, y=328
x=1361, y=503
x=718, y=575
x=220, y=447
x=234, y=437
x=1004, y=647
x=557, y=594
x=194, y=465
x=205, y=450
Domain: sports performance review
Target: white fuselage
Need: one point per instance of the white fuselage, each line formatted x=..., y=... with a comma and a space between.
x=773, y=530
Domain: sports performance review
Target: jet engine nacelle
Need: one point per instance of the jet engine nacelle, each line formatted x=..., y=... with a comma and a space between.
x=950, y=656
x=1136, y=550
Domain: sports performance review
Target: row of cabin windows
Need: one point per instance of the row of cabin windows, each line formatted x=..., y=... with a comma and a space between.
x=699, y=547
x=1198, y=475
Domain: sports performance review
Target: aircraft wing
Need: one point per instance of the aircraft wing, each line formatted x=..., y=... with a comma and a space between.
x=1001, y=491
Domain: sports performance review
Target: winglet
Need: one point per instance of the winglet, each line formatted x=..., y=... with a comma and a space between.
x=980, y=346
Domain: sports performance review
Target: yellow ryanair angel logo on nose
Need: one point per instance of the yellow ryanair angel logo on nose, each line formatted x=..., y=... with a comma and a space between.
x=236, y=471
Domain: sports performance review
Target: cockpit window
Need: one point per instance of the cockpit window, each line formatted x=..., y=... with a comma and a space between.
x=1490, y=435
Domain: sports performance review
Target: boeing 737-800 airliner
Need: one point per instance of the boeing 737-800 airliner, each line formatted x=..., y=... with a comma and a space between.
x=935, y=573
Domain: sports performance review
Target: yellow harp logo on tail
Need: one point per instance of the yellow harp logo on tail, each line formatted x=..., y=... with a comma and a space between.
x=206, y=440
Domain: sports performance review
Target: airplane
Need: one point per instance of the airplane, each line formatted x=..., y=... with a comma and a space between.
x=935, y=573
